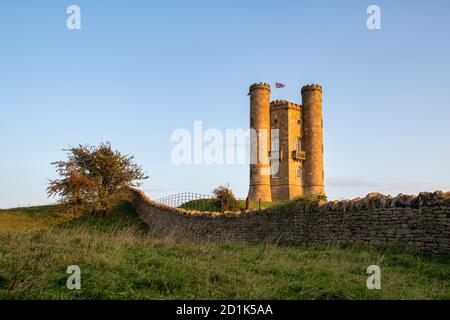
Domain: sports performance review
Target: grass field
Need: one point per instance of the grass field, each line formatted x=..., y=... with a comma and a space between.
x=119, y=259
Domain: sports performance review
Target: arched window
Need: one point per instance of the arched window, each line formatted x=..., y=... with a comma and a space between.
x=275, y=171
x=298, y=172
x=275, y=145
x=298, y=144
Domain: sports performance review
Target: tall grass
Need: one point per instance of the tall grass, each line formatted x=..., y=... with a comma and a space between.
x=119, y=259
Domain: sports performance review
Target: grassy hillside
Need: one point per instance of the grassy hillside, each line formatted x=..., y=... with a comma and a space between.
x=119, y=259
x=20, y=220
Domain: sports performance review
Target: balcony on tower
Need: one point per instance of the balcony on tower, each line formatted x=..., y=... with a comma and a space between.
x=298, y=155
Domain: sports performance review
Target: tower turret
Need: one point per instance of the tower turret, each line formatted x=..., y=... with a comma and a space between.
x=313, y=174
x=260, y=141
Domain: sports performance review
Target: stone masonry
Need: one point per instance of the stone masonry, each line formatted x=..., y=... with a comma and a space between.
x=287, y=147
x=260, y=141
x=419, y=223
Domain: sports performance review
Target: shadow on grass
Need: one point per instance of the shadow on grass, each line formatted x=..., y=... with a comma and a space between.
x=121, y=216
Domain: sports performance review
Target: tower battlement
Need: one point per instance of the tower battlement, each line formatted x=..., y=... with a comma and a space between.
x=284, y=104
x=260, y=85
x=312, y=87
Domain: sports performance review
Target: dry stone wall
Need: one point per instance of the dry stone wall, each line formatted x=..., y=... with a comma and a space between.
x=420, y=223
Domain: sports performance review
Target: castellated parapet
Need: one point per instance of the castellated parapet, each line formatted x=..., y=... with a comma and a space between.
x=280, y=104
x=293, y=146
x=260, y=85
x=312, y=87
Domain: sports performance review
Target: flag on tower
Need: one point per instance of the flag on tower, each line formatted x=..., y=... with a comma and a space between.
x=279, y=85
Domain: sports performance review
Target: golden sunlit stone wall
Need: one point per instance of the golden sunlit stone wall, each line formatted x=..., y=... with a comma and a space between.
x=419, y=223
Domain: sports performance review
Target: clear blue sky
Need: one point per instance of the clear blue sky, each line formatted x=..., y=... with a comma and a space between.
x=137, y=70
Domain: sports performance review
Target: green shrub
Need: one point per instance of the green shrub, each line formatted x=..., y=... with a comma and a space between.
x=201, y=205
x=225, y=199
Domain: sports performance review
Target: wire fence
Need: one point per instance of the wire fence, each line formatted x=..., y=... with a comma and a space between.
x=201, y=202
x=177, y=200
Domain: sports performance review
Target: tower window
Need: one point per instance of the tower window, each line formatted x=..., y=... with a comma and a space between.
x=275, y=145
x=275, y=168
x=275, y=121
x=298, y=144
x=298, y=172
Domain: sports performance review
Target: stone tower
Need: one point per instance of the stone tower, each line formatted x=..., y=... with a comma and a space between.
x=313, y=139
x=286, y=154
x=260, y=140
x=286, y=145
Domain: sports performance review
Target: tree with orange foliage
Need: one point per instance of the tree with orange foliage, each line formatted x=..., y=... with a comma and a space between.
x=94, y=178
